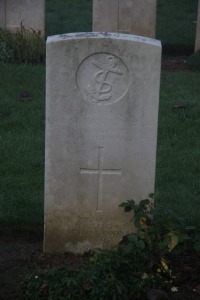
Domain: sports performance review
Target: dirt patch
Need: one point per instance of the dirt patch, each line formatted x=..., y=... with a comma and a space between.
x=17, y=246
x=174, y=63
x=21, y=252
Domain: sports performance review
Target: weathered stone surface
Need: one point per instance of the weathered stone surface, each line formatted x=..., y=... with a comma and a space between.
x=197, y=42
x=2, y=13
x=28, y=12
x=125, y=16
x=102, y=97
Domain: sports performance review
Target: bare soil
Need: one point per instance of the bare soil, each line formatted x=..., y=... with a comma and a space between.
x=175, y=63
x=21, y=252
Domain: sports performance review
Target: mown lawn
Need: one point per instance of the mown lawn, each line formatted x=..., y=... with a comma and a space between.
x=178, y=153
x=22, y=119
x=22, y=144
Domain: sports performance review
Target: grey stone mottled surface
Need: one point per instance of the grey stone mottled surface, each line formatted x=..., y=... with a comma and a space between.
x=197, y=42
x=102, y=95
x=29, y=13
x=125, y=16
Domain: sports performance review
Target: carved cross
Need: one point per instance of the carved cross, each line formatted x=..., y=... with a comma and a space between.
x=100, y=172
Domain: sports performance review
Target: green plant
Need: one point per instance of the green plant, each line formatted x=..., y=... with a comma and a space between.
x=22, y=46
x=55, y=285
x=139, y=263
x=113, y=275
x=160, y=229
x=157, y=235
x=6, y=54
x=126, y=272
x=160, y=232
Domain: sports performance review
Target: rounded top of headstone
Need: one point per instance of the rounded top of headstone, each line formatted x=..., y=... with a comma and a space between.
x=103, y=35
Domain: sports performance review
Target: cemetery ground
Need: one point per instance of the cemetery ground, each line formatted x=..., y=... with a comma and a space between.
x=22, y=124
x=22, y=156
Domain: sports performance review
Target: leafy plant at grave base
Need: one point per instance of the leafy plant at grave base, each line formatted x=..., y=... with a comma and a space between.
x=113, y=274
x=194, y=61
x=162, y=232
x=55, y=284
x=127, y=272
x=22, y=46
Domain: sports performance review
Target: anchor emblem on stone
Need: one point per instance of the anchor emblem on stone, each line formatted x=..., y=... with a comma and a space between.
x=102, y=88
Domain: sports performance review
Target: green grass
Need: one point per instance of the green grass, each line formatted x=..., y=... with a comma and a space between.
x=178, y=154
x=68, y=16
x=22, y=122
x=22, y=144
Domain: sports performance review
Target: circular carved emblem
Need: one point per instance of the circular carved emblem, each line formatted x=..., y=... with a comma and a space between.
x=103, y=78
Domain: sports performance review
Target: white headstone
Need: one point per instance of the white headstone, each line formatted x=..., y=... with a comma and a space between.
x=28, y=12
x=2, y=13
x=102, y=95
x=125, y=16
x=197, y=42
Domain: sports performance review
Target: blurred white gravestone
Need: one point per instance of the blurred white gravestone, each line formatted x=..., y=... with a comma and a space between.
x=29, y=13
x=197, y=42
x=125, y=16
x=2, y=13
x=102, y=95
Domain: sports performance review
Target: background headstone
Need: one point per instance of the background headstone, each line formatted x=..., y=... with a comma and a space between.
x=29, y=12
x=102, y=94
x=197, y=43
x=125, y=16
x=2, y=13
